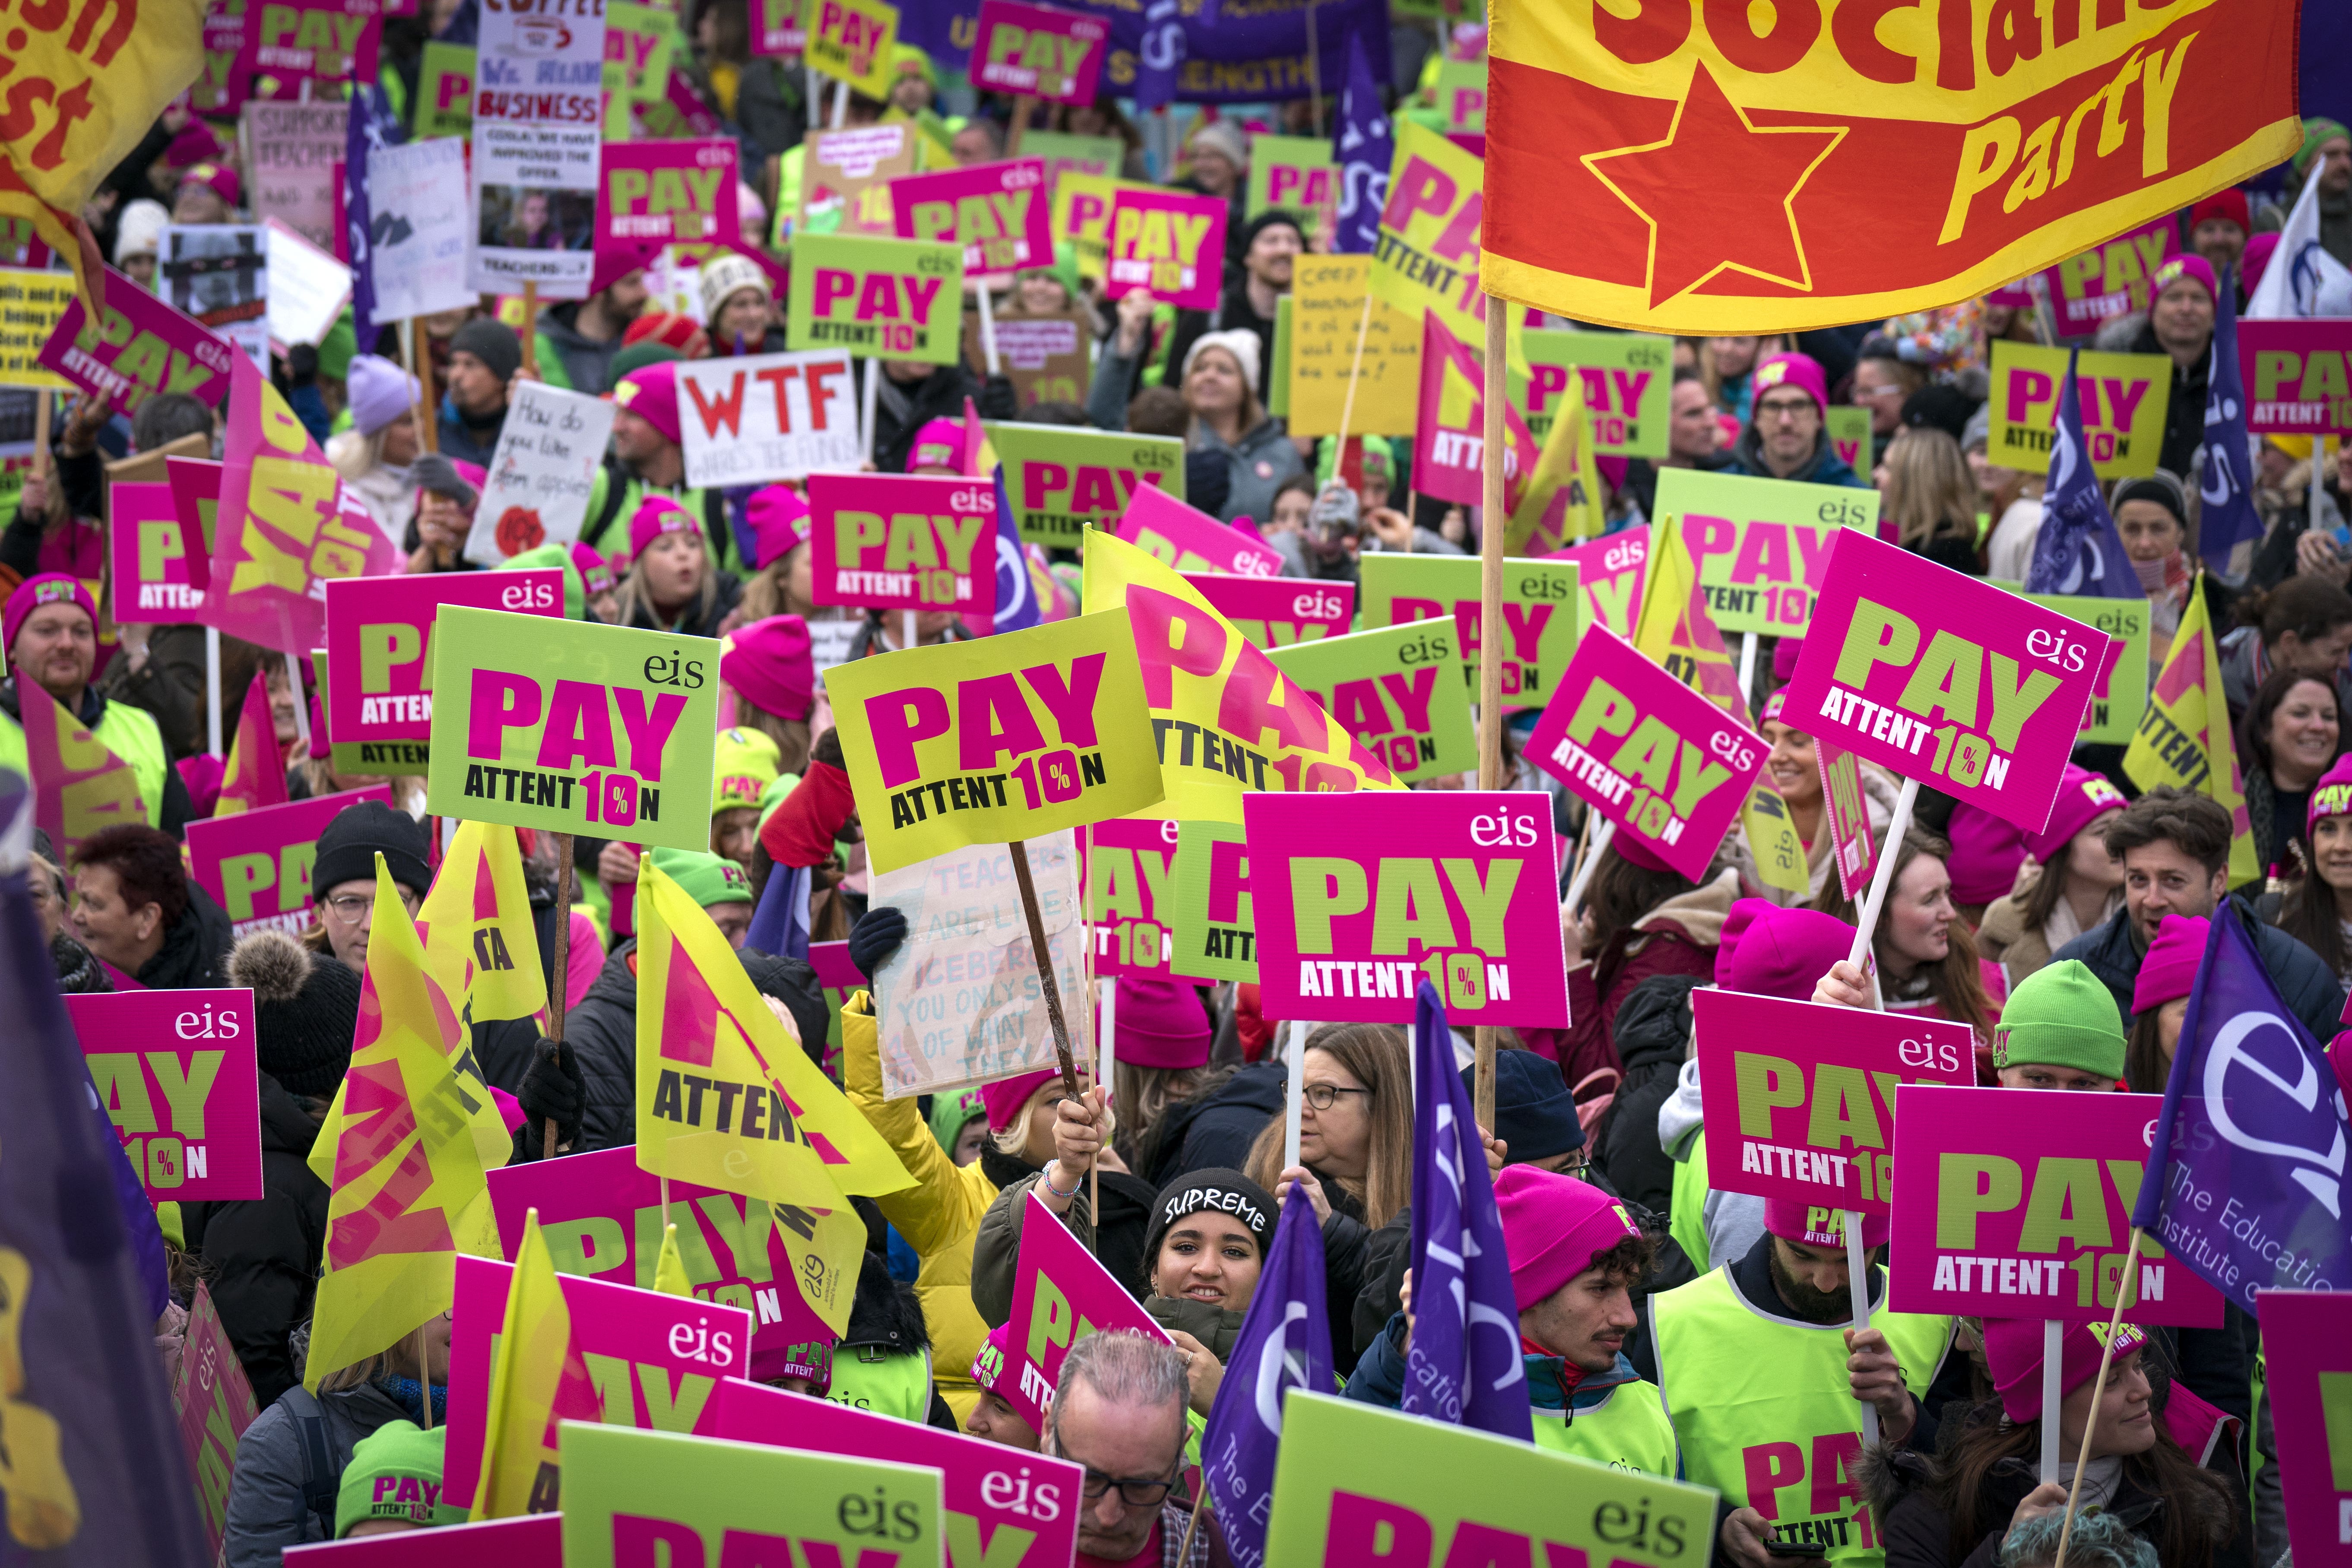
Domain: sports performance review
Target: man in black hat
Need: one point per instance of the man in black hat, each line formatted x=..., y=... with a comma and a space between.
x=1269, y=245
x=484, y=358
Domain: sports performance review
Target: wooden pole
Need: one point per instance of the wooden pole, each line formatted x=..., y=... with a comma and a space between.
x=530, y=327
x=1493, y=517
x=2127, y=1290
x=41, y=401
x=420, y=351
x=558, y=986
x=1022, y=108
x=1045, y=957
x=1355, y=369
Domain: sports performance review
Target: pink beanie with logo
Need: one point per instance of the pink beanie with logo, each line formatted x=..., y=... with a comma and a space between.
x=2084, y=797
x=655, y=516
x=650, y=392
x=1554, y=1226
x=1809, y=1225
x=1802, y=371
x=49, y=588
x=2014, y=1353
x=779, y=518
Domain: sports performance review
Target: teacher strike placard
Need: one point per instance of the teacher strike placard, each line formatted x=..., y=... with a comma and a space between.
x=1761, y=546
x=2126, y=399
x=1800, y=1096
x=903, y=297
x=767, y=416
x=2307, y=1392
x=573, y=727
x=1000, y=214
x=1651, y=754
x=1215, y=925
x=2010, y=1204
x=902, y=541
x=1612, y=570
x=1393, y=690
x=1167, y=245
x=380, y=631
x=1274, y=611
x=983, y=743
x=256, y=864
x=1128, y=863
x=1361, y=897
x=1190, y=540
x=176, y=1073
x=1062, y=481
x=2296, y=376
x=1060, y=1294
x=1945, y=679
x=1542, y=612
x=150, y=552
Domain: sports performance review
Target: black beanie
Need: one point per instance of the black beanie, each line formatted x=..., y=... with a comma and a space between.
x=1212, y=1187
x=1535, y=1114
x=305, y=1011
x=491, y=342
x=347, y=849
x=791, y=982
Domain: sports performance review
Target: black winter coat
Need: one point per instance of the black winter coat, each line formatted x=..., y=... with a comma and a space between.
x=602, y=1033
x=1218, y=1129
x=2184, y=417
x=1653, y=1029
x=2304, y=982
x=195, y=946
x=901, y=408
x=263, y=1253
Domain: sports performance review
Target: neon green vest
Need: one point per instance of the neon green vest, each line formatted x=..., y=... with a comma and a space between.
x=606, y=527
x=1765, y=1415
x=1626, y=1431
x=890, y=1383
x=1686, y=1210
x=129, y=733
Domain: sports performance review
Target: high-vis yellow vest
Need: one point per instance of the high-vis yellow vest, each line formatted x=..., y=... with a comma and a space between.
x=883, y=1381
x=129, y=733
x=1765, y=1413
x=1627, y=1430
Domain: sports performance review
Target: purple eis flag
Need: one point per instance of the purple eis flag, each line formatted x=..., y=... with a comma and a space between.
x=1285, y=1344
x=2226, y=465
x=1363, y=147
x=2077, y=549
x=1464, y=1366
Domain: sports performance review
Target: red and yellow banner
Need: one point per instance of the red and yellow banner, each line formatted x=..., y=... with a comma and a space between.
x=1858, y=161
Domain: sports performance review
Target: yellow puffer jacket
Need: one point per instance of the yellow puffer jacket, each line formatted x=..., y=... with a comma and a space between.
x=938, y=1215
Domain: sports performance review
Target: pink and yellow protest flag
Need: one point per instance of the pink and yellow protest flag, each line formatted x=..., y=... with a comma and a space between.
x=481, y=952
x=1560, y=500
x=79, y=787
x=1449, y=440
x=257, y=771
x=537, y=1375
x=2183, y=738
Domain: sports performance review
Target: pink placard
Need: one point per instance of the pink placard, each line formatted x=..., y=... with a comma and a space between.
x=380, y=643
x=175, y=1072
x=1651, y=754
x=1358, y=896
x=2305, y=1391
x=1274, y=611
x=654, y=193
x=997, y=211
x=1799, y=1097
x=530, y=1540
x=214, y=1400
x=1190, y=540
x=1128, y=896
x=150, y=555
x=298, y=42
x=1030, y=1498
x=1612, y=569
x=256, y=864
x=2296, y=377
x=1845, y=815
x=195, y=492
x=903, y=542
x=663, y=1359
x=2088, y=290
x=834, y=969
x=2014, y=1202
x=1942, y=677
x=144, y=347
x=1038, y=52
x=1058, y=1286
x=602, y=1217
x=776, y=28
x=1170, y=244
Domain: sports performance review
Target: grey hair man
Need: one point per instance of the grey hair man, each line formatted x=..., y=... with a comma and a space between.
x=1118, y=1411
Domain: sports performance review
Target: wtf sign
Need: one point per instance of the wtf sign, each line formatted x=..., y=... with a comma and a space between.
x=767, y=416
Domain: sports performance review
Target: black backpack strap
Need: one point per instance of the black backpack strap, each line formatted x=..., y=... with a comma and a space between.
x=322, y=1476
x=616, y=492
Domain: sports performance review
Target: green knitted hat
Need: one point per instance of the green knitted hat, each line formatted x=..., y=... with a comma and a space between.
x=705, y=878
x=575, y=593
x=2062, y=1015
x=2317, y=131
x=394, y=1473
x=638, y=355
x=951, y=1113
x=336, y=349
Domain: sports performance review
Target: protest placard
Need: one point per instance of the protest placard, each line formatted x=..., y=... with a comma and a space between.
x=768, y=416
x=31, y=306
x=1356, y=1483
x=139, y=346
x=2090, y=290
x=549, y=452
x=1060, y=1295
x=174, y=1071
x=1001, y=1509
x=1127, y=894
x=257, y=865
x=655, y=1360
x=1168, y=245
x=149, y=552
x=1610, y=570
x=903, y=542
x=218, y=274
x=291, y=149
x=851, y=41
x=526, y=1540
x=903, y=297
x=308, y=287
x=2020, y=1207
x=640, y=45
x=2119, y=695
x=531, y=707
x=1295, y=174
x=1190, y=540
x=662, y=192
x=1392, y=688
x=295, y=48
x=1845, y=817
x=1347, y=930
x=1847, y=430
x=1449, y=438
x=417, y=252
x=214, y=1402
x=1065, y=153
x=1063, y=482
x=2296, y=377
x=1462, y=96
x=1038, y=52
x=848, y=173
x=220, y=88
x=1761, y=546
x=1883, y=664
x=997, y=211
x=1214, y=923
x=445, y=91
x=537, y=110
x=380, y=639
x=2306, y=1392
x=2126, y=400
x=1428, y=253
x=1628, y=385
x=195, y=494
x=1800, y=1096
x=1048, y=359
x=1081, y=216
x=1009, y=737
x=1542, y=612
x=959, y=1003
x=1328, y=314
x=1274, y=611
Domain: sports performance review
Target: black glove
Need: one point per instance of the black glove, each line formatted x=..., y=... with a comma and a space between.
x=552, y=1091
x=876, y=936
x=301, y=365
x=997, y=399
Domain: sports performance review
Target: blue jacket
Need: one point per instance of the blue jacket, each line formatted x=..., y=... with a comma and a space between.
x=1379, y=1378
x=1826, y=469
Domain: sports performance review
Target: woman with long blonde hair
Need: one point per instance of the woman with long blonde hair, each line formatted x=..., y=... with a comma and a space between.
x=1931, y=498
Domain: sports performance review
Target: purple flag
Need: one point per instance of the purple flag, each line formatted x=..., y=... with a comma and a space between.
x=97, y=1471
x=1159, y=55
x=2246, y=1181
x=1364, y=147
x=372, y=124
x=1017, y=608
x=1465, y=1364
x=2226, y=474
x=2078, y=549
x=1285, y=1344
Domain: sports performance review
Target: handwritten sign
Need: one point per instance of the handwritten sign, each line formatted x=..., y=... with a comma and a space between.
x=1038, y=52
x=1215, y=927
x=1063, y=482
x=1761, y=546
x=291, y=149
x=1060, y=1295
x=899, y=541
x=1541, y=606
x=176, y=1073
x=767, y=416
x=542, y=473
x=1392, y=688
x=2296, y=377
x=1327, y=318
x=417, y=251
x=1048, y=359
x=2126, y=401
x=2088, y=290
x=257, y=865
x=150, y=552
x=1628, y=385
x=1190, y=540
x=1612, y=570
x=997, y=211
x=848, y=173
x=31, y=305
x=380, y=640
x=1274, y=611
x=1167, y=245
x=898, y=297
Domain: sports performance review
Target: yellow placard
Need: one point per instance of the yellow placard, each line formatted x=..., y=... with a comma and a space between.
x=30, y=304
x=1327, y=299
x=851, y=41
x=1082, y=205
x=2126, y=399
x=1428, y=254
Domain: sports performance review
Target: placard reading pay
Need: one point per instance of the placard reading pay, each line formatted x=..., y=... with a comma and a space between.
x=1799, y=1097
x=1347, y=932
x=1130, y=898
x=1215, y=923
x=1274, y=611
x=1542, y=612
x=900, y=541
x=2013, y=1204
x=1986, y=712
x=175, y=1072
x=256, y=864
x=379, y=639
x=1761, y=546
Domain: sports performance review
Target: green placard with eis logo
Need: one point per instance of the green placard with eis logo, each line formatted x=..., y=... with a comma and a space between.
x=1212, y=931
x=899, y=299
x=1628, y=381
x=1062, y=481
x=1543, y=614
x=1394, y=689
x=2117, y=702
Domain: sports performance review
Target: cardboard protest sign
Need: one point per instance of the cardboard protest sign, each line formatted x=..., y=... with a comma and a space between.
x=1168, y=245
x=141, y=346
x=308, y=288
x=31, y=305
x=1214, y=924
x=1048, y=359
x=903, y=542
x=1356, y=1483
x=1799, y=1097
x=2126, y=401
x=1428, y=254
x=296, y=46
x=380, y=639
x=851, y=41
x=1761, y=546
x=2119, y=695
x=1628, y=387
x=257, y=865
x=1882, y=666
x=1274, y=611
x=549, y=452
x=1060, y=1295
x=1038, y=52
x=898, y=297
x=176, y=1073
x=959, y=1002
x=445, y=91
x=416, y=254
x=532, y=709
x=149, y=551
x=1845, y=817
x=538, y=106
x=2090, y=290
x=218, y=274
x=2307, y=1392
x=2020, y=1207
x=768, y=416
x=2296, y=377
x=997, y=211
x=1542, y=610
x=1295, y=174
x=1128, y=864
x=1047, y=727
x=1063, y=482
x=1327, y=311
x=1190, y=540
x=526, y=1540
x=654, y=193
x=1612, y=570
x=1347, y=929
x=291, y=149
x=1392, y=688
x=214, y=1402
x=1001, y=1509
x=846, y=174
x=655, y=1360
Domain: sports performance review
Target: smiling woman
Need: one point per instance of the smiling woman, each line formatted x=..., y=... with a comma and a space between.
x=2292, y=734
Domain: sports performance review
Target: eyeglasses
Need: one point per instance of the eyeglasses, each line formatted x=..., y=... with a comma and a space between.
x=1134, y=1494
x=1324, y=1095
x=1789, y=410
x=349, y=908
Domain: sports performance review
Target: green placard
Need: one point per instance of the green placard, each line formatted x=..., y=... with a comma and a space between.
x=1462, y=96
x=1629, y=381
x=1062, y=151
x=2116, y=707
x=902, y=298
x=1278, y=385
x=632, y=1498
x=640, y=43
x=445, y=90
x=573, y=727
x=1848, y=429
x=1543, y=614
x=1762, y=546
x=1293, y=174
x=1390, y=688
x=1355, y=1483
x=1062, y=480
x=1224, y=947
